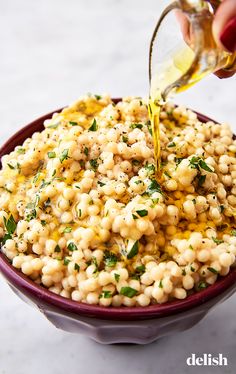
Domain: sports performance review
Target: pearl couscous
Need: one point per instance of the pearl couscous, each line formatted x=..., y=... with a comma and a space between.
x=82, y=214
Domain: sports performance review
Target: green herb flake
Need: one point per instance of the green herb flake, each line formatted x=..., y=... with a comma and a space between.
x=10, y=224
x=149, y=126
x=101, y=184
x=94, y=164
x=67, y=230
x=134, y=216
x=134, y=250
x=201, y=180
x=66, y=261
x=142, y=213
x=198, y=163
x=53, y=126
x=136, y=162
x=43, y=223
x=212, y=270
x=128, y=291
x=171, y=145
x=160, y=284
x=233, y=232
x=150, y=168
x=77, y=267
x=110, y=259
x=184, y=272
x=105, y=294
x=217, y=241
x=178, y=160
x=222, y=208
x=57, y=248
x=21, y=150
x=72, y=123
x=125, y=139
x=86, y=151
x=136, y=126
x=117, y=277
x=167, y=174
x=64, y=156
x=94, y=126
x=153, y=187
x=72, y=247
x=204, y=166
x=98, y=97
x=11, y=166
x=51, y=154
x=201, y=285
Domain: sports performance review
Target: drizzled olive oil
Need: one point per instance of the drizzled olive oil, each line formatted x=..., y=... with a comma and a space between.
x=164, y=77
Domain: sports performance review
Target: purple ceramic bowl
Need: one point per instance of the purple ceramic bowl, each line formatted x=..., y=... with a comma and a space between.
x=139, y=325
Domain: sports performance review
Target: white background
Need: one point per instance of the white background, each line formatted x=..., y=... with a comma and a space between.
x=51, y=51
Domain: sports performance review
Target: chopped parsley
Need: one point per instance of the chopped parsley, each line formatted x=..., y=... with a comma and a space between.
x=43, y=223
x=134, y=250
x=149, y=126
x=77, y=267
x=10, y=227
x=128, y=291
x=178, y=160
x=94, y=163
x=201, y=285
x=150, y=168
x=217, y=241
x=51, y=154
x=86, y=151
x=57, y=248
x=98, y=97
x=171, y=145
x=101, y=184
x=72, y=123
x=136, y=126
x=94, y=126
x=201, y=180
x=233, y=232
x=11, y=166
x=142, y=213
x=117, y=277
x=136, y=162
x=110, y=259
x=212, y=270
x=198, y=163
x=72, y=247
x=21, y=150
x=125, y=139
x=153, y=187
x=105, y=294
x=64, y=156
x=66, y=261
x=67, y=230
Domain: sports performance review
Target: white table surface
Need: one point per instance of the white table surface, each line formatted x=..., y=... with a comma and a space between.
x=51, y=52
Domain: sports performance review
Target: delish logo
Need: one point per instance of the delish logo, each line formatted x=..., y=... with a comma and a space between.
x=207, y=360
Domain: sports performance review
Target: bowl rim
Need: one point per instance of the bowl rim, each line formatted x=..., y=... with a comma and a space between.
x=20, y=281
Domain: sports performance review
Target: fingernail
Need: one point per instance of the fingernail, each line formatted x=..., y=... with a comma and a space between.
x=228, y=36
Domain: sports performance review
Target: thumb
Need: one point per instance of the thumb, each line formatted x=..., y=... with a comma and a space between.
x=224, y=25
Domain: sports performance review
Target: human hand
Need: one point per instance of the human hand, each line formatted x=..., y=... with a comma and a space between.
x=223, y=28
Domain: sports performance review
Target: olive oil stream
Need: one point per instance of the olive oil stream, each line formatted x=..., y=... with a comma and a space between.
x=164, y=79
x=168, y=73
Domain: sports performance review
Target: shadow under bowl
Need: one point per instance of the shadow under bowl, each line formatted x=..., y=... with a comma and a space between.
x=139, y=325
